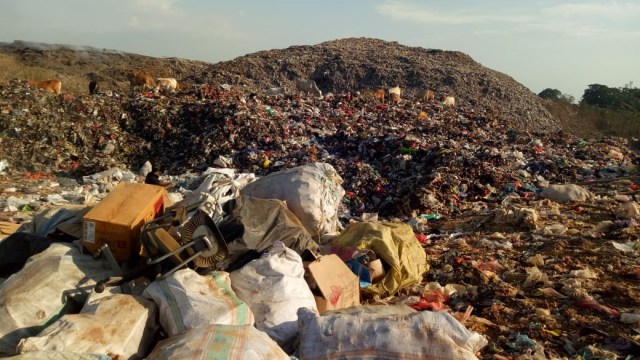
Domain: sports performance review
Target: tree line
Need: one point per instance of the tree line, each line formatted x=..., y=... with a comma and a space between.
x=624, y=98
x=605, y=110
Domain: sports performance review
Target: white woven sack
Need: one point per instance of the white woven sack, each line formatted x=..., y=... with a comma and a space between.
x=219, y=342
x=361, y=333
x=275, y=288
x=187, y=300
x=313, y=192
x=42, y=291
x=122, y=325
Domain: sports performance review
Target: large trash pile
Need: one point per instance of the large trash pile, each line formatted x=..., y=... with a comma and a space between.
x=517, y=264
x=352, y=64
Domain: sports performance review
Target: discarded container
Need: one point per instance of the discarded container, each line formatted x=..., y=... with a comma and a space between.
x=118, y=219
x=335, y=285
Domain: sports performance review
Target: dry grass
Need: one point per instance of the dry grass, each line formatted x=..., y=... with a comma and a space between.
x=12, y=69
x=590, y=122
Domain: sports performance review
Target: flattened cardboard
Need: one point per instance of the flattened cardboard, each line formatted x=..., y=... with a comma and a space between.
x=117, y=220
x=338, y=285
x=7, y=228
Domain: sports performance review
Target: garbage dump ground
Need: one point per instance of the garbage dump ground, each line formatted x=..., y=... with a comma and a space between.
x=527, y=269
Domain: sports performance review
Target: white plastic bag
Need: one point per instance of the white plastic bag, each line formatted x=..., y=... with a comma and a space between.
x=119, y=324
x=187, y=300
x=43, y=291
x=275, y=288
x=566, y=193
x=218, y=342
x=313, y=192
x=360, y=332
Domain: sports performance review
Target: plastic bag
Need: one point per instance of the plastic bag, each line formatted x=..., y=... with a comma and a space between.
x=396, y=245
x=313, y=192
x=386, y=332
x=218, y=342
x=275, y=288
x=187, y=300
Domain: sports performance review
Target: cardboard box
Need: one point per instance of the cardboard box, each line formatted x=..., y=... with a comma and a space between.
x=339, y=286
x=117, y=220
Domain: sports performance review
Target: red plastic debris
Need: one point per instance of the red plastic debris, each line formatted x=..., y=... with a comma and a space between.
x=591, y=304
x=433, y=300
x=37, y=176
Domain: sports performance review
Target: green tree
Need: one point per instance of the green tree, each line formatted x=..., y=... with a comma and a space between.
x=602, y=96
x=556, y=95
x=550, y=94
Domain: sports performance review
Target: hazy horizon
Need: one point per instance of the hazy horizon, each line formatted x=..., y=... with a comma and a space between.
x=565, y=45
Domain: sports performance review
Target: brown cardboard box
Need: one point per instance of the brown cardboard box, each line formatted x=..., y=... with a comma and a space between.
x=339, y=286
x=117, y=220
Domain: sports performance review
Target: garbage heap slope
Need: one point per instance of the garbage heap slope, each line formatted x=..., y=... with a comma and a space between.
x=362, y=63
x=350, y=64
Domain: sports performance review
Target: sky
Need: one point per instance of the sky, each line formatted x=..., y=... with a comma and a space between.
x=564, y=45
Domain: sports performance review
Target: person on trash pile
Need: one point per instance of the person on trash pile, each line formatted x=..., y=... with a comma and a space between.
x=153, y=178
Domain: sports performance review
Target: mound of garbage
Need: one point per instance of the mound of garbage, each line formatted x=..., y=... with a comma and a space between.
x=481, y=239
x=394, y=159
x=350, y=64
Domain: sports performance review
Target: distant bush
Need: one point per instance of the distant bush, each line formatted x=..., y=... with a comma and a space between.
x=601, y=111
x=625, y=98
x=589, y=121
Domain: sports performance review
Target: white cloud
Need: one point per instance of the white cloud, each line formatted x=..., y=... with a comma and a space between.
x=603, y=19
x=152, y=5
x=606, y=9
x=399, y=10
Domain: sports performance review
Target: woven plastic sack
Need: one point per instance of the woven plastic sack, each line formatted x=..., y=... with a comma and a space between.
x=122, y=325
x=51, y=284
x=219, y=342
x=58, y=355
x=275, y=288
x=363, y=333
x=396, y=245
x=187, y=300
x=313, y=192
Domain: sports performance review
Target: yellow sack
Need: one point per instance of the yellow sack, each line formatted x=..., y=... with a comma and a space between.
x=395, y=244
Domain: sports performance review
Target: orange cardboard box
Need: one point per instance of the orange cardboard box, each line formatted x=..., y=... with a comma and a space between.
x=339, y=286
x=117, y=220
